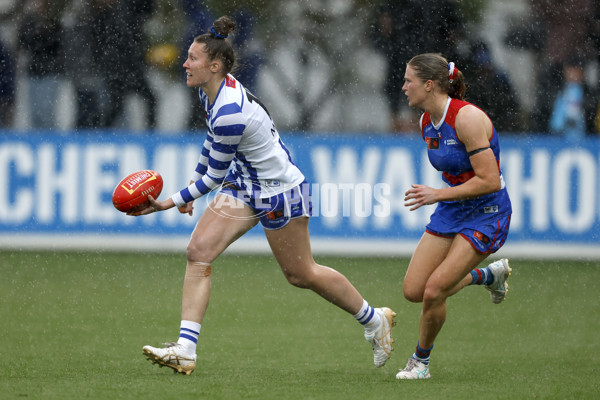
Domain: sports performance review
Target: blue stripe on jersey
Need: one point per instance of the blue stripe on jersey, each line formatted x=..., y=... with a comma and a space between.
x=230, y=130
x=286, y=151
x=227, y=109
x=216, y=180
x=251, y=173
x=225, y=148
x=185, y=195
x=235, y=175
x=202, y=188
x=201, y=169
x=240, y=182
x=216, y=164
x=243, y=96
x=251, y=170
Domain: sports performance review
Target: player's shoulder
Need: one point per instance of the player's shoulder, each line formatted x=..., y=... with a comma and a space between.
x=468, y=112
x=231, y=92
x=471, y=118
x=230, y=98
x=462, y=111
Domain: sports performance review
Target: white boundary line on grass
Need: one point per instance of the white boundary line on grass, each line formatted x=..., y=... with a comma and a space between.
x=259, y=245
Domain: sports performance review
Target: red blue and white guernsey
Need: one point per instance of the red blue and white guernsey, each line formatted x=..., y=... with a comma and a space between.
x=484, y=220
x=242, y=147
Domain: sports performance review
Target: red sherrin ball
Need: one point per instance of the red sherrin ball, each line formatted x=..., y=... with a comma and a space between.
x=131, y=194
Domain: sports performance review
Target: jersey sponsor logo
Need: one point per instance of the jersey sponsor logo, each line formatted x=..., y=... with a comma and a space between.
x=450, y=142
x=433, y=143
x=230, y=82
x=272, y=183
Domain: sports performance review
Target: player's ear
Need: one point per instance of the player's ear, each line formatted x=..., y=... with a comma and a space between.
x=215, y=66
x=429, y=85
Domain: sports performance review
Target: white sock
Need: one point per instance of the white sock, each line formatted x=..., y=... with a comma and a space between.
x=367, y=316
x=188, y=335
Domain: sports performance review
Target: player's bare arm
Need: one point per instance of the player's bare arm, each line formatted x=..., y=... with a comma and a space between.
x=474, y=129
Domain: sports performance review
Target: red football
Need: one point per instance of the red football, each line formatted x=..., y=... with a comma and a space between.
x=131, y=194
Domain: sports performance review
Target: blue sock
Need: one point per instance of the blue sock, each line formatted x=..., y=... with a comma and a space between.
x=481, y=276
x=422, y=355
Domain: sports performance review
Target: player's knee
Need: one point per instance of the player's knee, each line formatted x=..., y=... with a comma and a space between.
x=433, y=293
x=296, y=280
x=414, y=295
x=197, y=251
x=299, y=278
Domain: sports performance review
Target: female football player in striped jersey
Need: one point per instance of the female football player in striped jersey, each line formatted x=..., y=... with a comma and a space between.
x=473, y=211
x=245, y=160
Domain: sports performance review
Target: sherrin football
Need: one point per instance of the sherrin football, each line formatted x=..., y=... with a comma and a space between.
x=131, y=194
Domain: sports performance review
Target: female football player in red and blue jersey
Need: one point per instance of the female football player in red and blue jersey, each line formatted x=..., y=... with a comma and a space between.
x=245, y=161
x=473, y=209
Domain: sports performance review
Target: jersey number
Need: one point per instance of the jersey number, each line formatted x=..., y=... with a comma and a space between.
x=254, y=99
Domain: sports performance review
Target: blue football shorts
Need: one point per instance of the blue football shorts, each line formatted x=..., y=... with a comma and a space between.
x=486, y=237
x=276, y=211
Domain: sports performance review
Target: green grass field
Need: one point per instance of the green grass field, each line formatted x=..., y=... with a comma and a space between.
x=72, y=326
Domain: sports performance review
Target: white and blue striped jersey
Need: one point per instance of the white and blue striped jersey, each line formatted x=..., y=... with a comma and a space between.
x=242, y=146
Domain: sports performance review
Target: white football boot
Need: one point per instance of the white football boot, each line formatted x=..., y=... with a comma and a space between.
x=381, y=337
x=173, y=355
x=499, y=287
x=414, y=370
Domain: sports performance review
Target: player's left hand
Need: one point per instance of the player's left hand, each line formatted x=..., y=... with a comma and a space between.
x=419, y=195
x=187, y=208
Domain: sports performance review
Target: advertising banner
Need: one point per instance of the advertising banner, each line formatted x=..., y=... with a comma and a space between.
x=55, y=191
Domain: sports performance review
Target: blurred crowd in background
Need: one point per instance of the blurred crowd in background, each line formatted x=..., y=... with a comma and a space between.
x=322, y=65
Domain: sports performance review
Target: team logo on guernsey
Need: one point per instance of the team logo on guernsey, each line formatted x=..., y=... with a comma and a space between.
x=433, y=143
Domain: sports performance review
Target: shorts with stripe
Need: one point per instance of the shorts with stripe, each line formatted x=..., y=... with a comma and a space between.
x=276, y=211
x=486, y=236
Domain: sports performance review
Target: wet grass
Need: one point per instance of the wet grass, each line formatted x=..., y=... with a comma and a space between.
x=72, y=326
